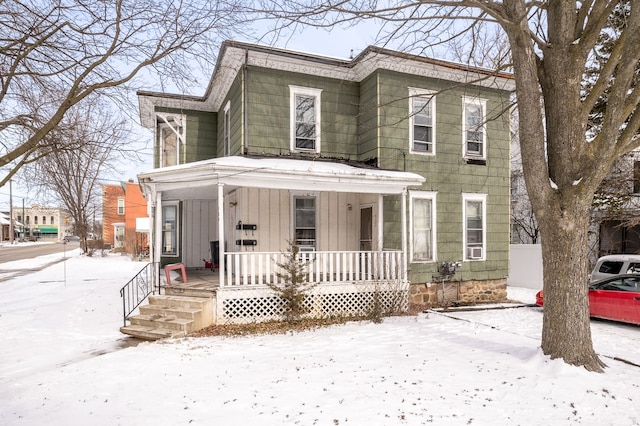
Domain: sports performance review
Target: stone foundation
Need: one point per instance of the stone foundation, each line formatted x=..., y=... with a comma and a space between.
x=429, y=295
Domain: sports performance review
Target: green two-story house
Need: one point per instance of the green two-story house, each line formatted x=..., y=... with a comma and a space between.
x=388, y=170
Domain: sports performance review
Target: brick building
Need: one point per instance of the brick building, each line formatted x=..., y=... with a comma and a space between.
x=124, y=217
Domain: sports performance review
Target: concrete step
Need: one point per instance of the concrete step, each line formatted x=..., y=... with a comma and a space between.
x=187, y=291
x=179, y=301
x=167, y=310
x=150, y=333
x=164, y=322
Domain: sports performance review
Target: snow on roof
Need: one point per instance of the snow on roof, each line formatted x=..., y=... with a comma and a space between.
x=285, y=173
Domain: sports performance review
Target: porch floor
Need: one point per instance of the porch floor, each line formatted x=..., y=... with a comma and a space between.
x=199, y=280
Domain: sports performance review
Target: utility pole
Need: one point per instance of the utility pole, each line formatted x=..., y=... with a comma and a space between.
x=11, y=211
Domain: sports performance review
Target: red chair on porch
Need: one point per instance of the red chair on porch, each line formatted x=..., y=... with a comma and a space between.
x=174, y=266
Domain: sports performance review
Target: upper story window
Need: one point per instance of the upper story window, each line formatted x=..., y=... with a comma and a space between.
x=35, y=220
x=227, y=129
x=27, y=220
x=120, y=206
x=44, y=220
x=52, y=221
x=170, y=135
x=474, y=134
x=305, y=119
x=423, y=226
x=636, y=177
x=474, y=213
x=422, y=127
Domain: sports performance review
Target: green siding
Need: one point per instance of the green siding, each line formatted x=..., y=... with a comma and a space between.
x=269, y=112
x=201, y=136
x=368, y=119
x=235, y=99
x=447, y=172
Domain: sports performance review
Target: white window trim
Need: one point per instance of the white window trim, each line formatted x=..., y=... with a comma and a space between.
x=297, y=90
x=474, y=197
x=120, y=200
x=467, y=100
x=298, y=194
x=422, y=93
x=424, y=195
x=177, y=123
x=177, y=206
x=226, y=131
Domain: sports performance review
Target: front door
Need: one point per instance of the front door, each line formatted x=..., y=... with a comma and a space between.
x=366, y=228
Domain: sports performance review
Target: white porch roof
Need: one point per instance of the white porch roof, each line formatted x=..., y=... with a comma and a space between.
x=195, y=180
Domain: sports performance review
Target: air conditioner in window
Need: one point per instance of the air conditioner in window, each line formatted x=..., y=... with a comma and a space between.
x=474, y=252
x=306, y=249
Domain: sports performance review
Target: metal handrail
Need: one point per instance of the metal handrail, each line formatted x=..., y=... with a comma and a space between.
x=139, y=288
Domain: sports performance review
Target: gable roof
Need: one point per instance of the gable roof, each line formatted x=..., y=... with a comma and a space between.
x=234, y=54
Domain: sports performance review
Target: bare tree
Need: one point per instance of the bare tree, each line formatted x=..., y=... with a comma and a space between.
x=553, y=45
x=56, y=53
x=75, y=156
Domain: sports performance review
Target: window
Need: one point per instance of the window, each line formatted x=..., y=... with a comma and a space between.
x=305, y=119
x=170, y=132
x=19, y=218
x=44, y=220
x=27, y=220
x=422, y=107
x=305, y=222
x=170, y=230
x=423, y=226
x=52, y=221
x=120, y=206
x=227, y=129
x=474, y=222
x=35, y=220
x=636, y=177
x=473, y=127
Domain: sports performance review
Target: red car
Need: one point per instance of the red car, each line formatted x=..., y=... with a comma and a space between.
x=616, y=298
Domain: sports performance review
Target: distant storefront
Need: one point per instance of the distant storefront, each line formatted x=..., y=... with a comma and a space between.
x=43, y=223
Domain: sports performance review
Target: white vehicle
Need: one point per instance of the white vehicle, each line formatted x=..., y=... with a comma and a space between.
x=615, y=264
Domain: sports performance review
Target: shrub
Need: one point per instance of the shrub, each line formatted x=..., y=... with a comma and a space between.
x=294, y=285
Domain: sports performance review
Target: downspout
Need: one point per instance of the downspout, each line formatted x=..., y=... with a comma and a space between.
x=378, y=120
x=404, y=236
x=245, y=103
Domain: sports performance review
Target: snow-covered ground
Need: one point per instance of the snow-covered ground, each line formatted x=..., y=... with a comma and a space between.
x=64, y=362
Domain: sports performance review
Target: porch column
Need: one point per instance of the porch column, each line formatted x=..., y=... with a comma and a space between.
x=157, y=224
x=221, y=238
x=404, y=234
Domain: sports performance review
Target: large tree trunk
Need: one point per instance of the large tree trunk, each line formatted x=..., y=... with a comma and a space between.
x=560, y=177
x=566, y=331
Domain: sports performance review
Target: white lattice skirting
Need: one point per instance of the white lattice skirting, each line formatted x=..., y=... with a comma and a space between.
x=260, y=304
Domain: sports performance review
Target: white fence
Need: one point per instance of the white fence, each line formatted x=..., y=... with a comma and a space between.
x=261, y=268
x=525, y=266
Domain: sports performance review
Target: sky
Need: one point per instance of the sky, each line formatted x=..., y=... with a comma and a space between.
x=63, y=361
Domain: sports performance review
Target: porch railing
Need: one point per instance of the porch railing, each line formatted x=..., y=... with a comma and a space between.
x=260, y=268
x=139, y=288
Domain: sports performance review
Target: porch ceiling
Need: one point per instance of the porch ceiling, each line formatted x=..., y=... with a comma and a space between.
x=197, y=179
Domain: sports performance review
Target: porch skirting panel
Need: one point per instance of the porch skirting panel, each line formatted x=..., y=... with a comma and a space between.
x=349, y=299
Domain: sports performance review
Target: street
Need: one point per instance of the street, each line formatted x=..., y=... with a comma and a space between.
x=31, y=250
